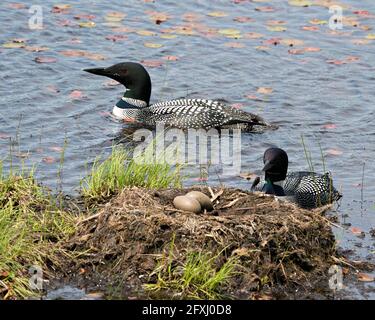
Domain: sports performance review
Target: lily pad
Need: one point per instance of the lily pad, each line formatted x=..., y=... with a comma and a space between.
x=217, y=14
x=87, y=24
x=152, y=45
x=145, y=33
x=300, y=3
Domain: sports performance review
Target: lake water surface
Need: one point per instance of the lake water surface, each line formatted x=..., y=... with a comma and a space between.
x=208, y=49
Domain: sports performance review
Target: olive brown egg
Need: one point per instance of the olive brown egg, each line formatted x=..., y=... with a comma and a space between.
x=187, y=204
x=204, y=200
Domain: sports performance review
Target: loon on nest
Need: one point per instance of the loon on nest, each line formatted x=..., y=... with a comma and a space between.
x=135, y=106
x=307, y=189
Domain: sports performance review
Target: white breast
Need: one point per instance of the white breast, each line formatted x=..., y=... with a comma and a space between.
x=118, y=112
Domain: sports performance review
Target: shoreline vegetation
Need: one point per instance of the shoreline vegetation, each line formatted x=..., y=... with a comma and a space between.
x=124, y=233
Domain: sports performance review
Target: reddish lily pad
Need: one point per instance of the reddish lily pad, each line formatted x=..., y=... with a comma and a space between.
x=310, y=28
x=4, y=135
x=76, y=95
x=334, y=152
x=61, y=8
x=329, y=126
x=84, y=17
x=56, y=149
x=265, y=9
x=117, y=37
x=265, y=90
x=152, y=63
x=243, y=19
x=364, y=277
x=17, y=6
x=170, y=58
x=49, y=160
x=45, y=60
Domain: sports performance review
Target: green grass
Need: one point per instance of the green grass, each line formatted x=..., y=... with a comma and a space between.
x=309, y=160
x=33, y=222
x=197, y=277
x=120, y=170
x=30, y=225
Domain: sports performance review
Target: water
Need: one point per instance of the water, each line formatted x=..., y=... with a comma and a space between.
x=37, y=112
x=67, y=292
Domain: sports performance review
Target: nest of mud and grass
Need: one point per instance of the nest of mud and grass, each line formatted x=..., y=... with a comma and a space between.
x=139, y=245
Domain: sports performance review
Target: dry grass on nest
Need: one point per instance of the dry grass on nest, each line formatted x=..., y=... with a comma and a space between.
x=273, y=242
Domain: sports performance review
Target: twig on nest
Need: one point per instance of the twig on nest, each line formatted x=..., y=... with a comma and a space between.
x=341, y=260
x=230, y=204
x=334, y=224
x=283, y=270
x=211, y=192
x=5, y=287
x=217, y=195
x=246, y=208
x=263, y=204
x=94, y=216
x=176, y=210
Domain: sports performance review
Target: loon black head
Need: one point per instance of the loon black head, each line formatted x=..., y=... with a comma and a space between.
x=275, y=164
x=130, y=74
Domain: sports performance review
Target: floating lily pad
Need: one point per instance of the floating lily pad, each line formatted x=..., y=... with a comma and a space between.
x=292, y=42
x=45, y=60
x=318, y=22
x=168, y=36
x=276, y=28
x=87, y=24
x=300, y=3
x=145, y=33
x=170, y=58
x=217, y=14
x=152, y=63
x=364, y=277
x=152, y=45
x=265, y=90
x=13, y=45
x=229, y=32
x=36, y=49
x=115, y=16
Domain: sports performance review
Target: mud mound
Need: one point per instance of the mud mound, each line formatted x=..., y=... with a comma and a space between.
x=276, y=243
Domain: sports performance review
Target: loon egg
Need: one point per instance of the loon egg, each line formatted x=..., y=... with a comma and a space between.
x=204, y=200
x=187, y=204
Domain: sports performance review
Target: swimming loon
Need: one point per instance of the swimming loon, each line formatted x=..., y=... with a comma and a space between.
x=305, y=188
x=180, y=113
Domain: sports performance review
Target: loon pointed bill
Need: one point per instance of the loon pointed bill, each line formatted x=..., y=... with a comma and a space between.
x=135, y=106
x=305, y=188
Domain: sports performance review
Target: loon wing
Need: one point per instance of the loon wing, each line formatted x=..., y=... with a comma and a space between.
x=235, y=115
x=293, y=179
x=311, y=189
x=200, y=113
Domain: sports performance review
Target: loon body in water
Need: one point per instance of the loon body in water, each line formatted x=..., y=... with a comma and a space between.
x=305, y=188
x=135, y=106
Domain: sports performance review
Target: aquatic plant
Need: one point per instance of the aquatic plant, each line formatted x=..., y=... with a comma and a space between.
x=310, y=163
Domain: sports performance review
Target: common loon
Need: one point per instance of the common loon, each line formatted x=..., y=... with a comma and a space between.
x=305, y=188
x=135, y=106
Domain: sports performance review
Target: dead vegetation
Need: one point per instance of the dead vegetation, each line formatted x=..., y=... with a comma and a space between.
x=128, y=244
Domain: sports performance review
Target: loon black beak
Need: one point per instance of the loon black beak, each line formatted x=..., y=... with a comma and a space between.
x=267, y=166
x=98, y=71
